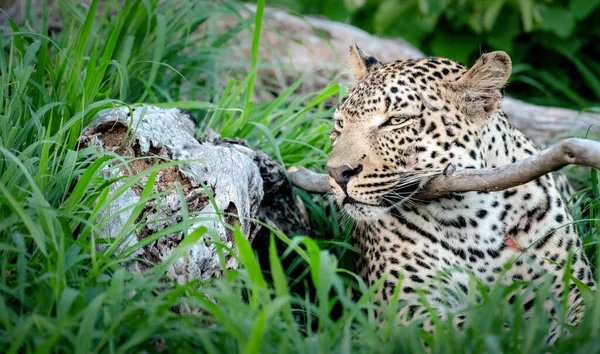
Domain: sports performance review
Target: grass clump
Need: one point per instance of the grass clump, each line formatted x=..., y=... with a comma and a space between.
x=59, y=294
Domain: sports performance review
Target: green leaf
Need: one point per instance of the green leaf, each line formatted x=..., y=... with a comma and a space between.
x=586, y=292
x=17, y=40
x=84, y=182
x=423, y=6
x=588, y=75
x=582, y=8
x=557, y=20
x=526, y=7
x=390, y=10
x=354, y=5
x=158, y=48
x=86, y=327
x=257, y=335
x=31, y=53
x=267, y=133
x=192, y=238
x=277, y=272
x=444, y=44
x=249, y=261
x=129, y=225
x=503, y=34
x=67, y=298
x=34, y=231
x=83, y=35
x=491, y=14
x=186, y=105
x=248, y=104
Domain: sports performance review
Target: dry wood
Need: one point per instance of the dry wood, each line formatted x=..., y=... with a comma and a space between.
x=545, y=125
x=573, y=151
x=245, y=185
x=308, y=180
x=153, y=135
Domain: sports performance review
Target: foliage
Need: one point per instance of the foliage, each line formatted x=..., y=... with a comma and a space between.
x=553, y=43
x=59, y=293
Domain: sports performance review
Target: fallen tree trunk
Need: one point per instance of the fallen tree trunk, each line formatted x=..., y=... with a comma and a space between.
x=223, y=182
x=545, y=125
x=451, y=180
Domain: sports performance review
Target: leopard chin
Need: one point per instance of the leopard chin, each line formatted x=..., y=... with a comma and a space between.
x=364, y=212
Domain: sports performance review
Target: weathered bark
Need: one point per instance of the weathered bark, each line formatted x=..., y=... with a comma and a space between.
x=228, y=170
x=572, y=151
x=545, y=125
x=308, y=180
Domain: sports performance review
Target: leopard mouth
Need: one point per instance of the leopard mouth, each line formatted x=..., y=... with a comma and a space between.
x=408, y=188
x=396, y=196
x=352, y=201
x=401, y=193
x=360, y=211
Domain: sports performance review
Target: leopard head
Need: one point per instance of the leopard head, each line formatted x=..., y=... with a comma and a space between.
x=405, y=121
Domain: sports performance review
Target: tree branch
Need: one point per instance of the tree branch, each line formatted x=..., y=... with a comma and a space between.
x=572, y=151
x=308, y=180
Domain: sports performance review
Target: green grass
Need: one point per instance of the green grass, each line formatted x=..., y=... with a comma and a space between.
x=58, y=293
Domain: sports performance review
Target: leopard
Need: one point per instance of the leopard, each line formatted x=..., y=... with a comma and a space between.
x=403, y=123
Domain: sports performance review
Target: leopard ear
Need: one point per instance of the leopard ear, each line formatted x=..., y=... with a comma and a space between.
x=360, y=63
x=481, y=88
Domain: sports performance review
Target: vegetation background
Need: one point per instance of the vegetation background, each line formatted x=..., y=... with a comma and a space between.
x=59, y=294
x=553, y=43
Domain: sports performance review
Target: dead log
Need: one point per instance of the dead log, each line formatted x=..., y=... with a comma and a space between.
x=246, y=185
x=545, y=125
x=573, y=151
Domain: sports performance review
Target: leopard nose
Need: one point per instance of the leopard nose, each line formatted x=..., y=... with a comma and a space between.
x=342, y=174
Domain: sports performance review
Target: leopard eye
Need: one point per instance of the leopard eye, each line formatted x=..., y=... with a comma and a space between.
x=397, y=120
x=339, y=123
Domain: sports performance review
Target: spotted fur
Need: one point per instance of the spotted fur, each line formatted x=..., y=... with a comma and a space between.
x=406, y=121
